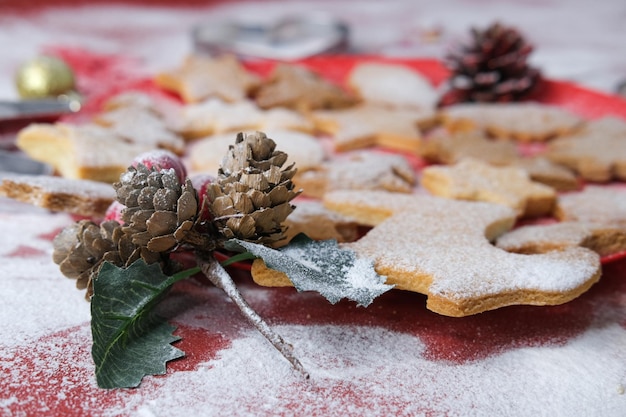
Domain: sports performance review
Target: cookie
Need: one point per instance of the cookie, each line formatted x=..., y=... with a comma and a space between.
x=594, y=204
x=604, y=239
x=597, y=152
x=141, y=125
x=80, y=197
x=298, y=88
x=358, y=170
x=392, y=85
x=80, y=152
x=319, y=223
x=544, y=171
x=374, y=125
x=215, y=116
x=449, y=148
x=205, y=155
x=201, y=77
x=474, y=180
x=419, y=245
x=524, y=122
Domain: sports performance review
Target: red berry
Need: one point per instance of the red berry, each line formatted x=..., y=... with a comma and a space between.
x=114, y=212
x=200, y=182
x=162, y=159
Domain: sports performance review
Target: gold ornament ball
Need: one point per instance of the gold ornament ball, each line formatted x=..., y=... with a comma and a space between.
x=44, y=76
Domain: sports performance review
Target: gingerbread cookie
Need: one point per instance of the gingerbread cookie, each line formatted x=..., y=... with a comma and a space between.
x=604, y=239
x=420, y=246
x=524, y=122
x=298, y=88
x=202, y=77
x=359, y=170
x=474, y=180
x=370, y=125
x=80, y=152
x=597, y=152
x=80, y=197
x=594, y=204
x=392, y=85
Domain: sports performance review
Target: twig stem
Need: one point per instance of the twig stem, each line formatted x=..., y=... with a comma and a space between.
x=221, y=279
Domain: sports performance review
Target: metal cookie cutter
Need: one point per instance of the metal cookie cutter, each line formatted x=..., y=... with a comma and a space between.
x=290, y=38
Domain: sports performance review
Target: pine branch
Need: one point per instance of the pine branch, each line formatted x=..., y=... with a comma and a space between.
x=221, y=279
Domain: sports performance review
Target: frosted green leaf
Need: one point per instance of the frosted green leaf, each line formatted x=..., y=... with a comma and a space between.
x=321, y=266
x=129, y=340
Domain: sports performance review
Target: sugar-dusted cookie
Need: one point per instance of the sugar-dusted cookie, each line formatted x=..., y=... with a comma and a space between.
x=597, y=152
x=544, y=171
x=80, y=197
x=525, y=122
x=80, y=152
x=200, y=77
x=319, y=223
x=141, y=125
x=595, y=204
x=369, y=125
x=474, y=180
x=131, y=99
x=604, y=239
x=443, y=147
x=298, y=88
x=449, y=148
x=214, y=116
x=393, y=85
x=358, y=170
x=441, y=248
x=205, y=155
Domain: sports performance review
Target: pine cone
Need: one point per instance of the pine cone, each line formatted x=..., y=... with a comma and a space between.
x=491, y=68
x=80, y=250
x=251, y=198
x=160, y=213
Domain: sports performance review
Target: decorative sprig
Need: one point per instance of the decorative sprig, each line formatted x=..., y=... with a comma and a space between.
x=129, y=264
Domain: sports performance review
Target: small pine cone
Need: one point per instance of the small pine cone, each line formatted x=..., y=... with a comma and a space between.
x=251, y=198
x=159, y=213
x=80, y=250
x=491, y=68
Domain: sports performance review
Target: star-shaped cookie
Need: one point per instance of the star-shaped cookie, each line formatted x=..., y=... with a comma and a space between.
x=200, y=77
x=474, y=180
x=597, y=153
x=441, y=248
x=369, y=125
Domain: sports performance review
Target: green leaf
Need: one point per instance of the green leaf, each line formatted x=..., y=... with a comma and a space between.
x=321, y=266
x=129, y=340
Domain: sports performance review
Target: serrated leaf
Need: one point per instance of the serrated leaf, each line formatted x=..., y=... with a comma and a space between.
x=322, y=266
x=129, y=340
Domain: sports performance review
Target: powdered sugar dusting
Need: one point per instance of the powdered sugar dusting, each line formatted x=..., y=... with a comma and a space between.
x=355, y=362
x=356, y=369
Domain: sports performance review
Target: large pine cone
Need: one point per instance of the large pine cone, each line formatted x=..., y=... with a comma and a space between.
x=251, y=198
x=491, y=68
x=159, y=213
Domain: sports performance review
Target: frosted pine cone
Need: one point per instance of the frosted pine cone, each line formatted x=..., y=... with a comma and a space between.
x=159, y=213
x=80, y=250
x=251, y=198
